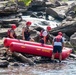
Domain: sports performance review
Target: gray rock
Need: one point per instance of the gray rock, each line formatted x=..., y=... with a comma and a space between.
x=3, y=63
x=73, y=40
x=67, y=27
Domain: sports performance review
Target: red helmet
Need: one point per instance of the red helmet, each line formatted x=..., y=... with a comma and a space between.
x=60, y=33
x=48, y=28
x=13, y=26
x=28, y=23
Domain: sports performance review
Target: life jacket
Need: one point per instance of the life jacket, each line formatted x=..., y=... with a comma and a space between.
x=58, y=38
x=8, y=34
x=41, y=33
x=41, y=36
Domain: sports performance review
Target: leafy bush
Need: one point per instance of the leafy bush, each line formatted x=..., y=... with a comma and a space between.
x=26, y=2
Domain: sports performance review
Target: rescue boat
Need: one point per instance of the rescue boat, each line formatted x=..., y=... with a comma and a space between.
x=38, y=50
x=8, y=41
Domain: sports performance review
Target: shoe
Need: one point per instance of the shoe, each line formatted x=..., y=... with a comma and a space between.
x=59, y=61
x=51, y=61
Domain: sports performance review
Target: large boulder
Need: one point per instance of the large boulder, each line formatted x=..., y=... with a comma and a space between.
x=72, y=9
x=67, y=27
x=8, y=7
x=73, y=40
x=57, y=12
x=60, y=10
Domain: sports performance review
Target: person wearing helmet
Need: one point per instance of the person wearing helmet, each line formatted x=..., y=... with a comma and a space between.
x=44, y=38
x=58, y=44
x=26, y=32
x=11, y=33
x=28, y=23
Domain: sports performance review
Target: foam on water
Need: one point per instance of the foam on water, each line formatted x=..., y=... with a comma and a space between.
x=41, y=22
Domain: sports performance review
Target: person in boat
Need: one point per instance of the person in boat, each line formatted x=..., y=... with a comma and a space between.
x=44, y=35
x=26, y=32
x=11, y=33
x=58, y=44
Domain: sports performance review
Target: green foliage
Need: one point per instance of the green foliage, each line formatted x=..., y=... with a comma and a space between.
x=26, y=2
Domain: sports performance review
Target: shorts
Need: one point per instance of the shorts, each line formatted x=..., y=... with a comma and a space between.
x=57, y=49
x=42, y=41
x=27, y=39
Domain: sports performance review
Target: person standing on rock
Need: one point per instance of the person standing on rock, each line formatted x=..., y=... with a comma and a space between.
x=11, y=33
x=26, y=32
x=44, y=37
x=58, y=44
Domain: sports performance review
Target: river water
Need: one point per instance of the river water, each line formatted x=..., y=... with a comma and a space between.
x=67, y=67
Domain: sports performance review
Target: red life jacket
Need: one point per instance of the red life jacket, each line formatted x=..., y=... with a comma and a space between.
x=41, y=33
x=8, y=33
x=58, y=38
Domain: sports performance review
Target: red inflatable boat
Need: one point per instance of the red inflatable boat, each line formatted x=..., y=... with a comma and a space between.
x=38, y=50
x=8, y=41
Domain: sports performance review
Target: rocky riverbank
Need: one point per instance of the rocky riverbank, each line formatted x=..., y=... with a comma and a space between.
x=67, y=26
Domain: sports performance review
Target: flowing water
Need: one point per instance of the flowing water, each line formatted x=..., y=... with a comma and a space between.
x=67, y=67
x=42, y=22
